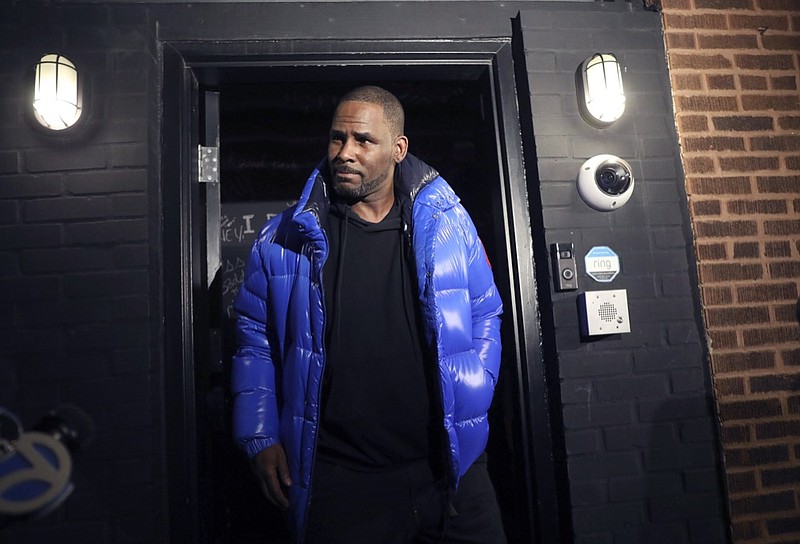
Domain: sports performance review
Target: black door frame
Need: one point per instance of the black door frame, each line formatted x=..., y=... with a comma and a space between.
x=183, y=64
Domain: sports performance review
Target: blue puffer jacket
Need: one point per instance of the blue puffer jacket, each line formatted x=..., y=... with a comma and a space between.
x=278, y=368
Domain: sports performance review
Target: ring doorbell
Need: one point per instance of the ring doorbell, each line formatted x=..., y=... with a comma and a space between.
x=605, y=182
x=565, y=276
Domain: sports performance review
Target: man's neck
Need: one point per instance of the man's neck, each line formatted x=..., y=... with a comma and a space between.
x=375, y=207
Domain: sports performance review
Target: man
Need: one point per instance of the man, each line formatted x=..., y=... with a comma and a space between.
x=369, y=347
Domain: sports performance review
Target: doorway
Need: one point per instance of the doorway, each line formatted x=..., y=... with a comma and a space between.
x=273, y=120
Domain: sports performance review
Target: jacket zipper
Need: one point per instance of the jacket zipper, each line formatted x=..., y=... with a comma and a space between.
x=433, y=356
x=318, y=273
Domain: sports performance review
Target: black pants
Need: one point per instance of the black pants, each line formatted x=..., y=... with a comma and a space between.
x=404, y=506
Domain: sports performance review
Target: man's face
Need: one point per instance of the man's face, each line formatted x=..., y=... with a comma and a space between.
x=362, y=150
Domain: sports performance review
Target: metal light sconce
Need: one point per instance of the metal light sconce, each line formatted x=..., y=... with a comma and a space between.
x=57, y=93
x=601, y=97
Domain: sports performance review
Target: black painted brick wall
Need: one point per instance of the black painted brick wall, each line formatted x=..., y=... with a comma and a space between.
x=640, y=435
x=78, y=277
x=79, y=272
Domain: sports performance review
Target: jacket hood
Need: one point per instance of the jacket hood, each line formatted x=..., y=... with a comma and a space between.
x=412, y=175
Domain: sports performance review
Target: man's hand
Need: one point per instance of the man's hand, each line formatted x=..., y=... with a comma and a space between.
x=272, y=470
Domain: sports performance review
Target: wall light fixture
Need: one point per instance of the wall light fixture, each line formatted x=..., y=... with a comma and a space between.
x=57, y=92
x=601, y=97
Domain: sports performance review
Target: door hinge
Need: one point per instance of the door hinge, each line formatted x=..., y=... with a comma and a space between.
x=208, y=164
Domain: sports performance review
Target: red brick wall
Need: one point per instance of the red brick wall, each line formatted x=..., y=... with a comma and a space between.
x=734, y=67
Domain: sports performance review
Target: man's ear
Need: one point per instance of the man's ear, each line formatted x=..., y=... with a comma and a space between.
x=401, y=148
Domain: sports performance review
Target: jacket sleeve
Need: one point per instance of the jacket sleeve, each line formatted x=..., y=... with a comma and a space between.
x=485, y=303
x=253, y=384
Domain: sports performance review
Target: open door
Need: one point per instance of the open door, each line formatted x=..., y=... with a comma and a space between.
x=273, y=119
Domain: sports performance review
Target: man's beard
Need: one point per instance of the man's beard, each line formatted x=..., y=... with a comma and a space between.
x=356, y=193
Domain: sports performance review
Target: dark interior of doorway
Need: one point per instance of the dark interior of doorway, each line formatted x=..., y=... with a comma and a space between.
x=273, y=131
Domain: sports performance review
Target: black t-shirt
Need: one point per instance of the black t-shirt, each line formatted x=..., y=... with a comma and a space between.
x=376, y=408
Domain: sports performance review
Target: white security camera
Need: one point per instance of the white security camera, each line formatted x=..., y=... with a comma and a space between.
x=605, y=182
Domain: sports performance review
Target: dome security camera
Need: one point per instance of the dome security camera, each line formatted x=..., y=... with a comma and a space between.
x=605, y=182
